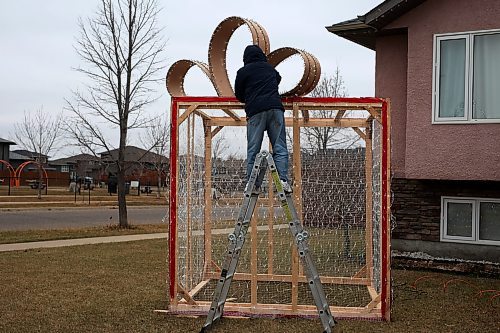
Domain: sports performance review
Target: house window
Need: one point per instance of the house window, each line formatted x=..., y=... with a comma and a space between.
x=64, y=168
x=470, y=220
x=466, y=78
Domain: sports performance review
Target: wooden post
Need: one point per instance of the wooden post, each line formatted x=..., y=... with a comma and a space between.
x=190, y=135
x=297, y=191
x=386, y=233
x=173, y=247
x=253, y=260
x=298, y=175
x=270, y=218
x=207, y=216
x=369, y=202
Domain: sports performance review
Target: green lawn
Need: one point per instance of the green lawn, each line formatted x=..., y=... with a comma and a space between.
x=116, y=287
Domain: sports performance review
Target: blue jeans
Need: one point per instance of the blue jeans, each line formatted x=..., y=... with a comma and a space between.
x=272, y=121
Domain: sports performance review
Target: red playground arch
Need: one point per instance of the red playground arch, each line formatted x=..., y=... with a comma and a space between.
x=21, y=167
x=12, y=172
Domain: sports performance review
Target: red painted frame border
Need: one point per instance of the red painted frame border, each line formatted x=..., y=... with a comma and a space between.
x=201, y=99
x=172, y=230
x=385, y=299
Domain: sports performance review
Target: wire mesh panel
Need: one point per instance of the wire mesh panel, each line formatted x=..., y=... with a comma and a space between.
x=338, y=190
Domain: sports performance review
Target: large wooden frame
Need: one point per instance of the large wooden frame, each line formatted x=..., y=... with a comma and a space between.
x=183, y=298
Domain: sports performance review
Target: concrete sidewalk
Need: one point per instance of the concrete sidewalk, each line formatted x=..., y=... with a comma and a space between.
x=115, y=239
x=79, y=241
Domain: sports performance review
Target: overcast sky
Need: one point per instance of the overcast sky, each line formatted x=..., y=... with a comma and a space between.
x=37, y=41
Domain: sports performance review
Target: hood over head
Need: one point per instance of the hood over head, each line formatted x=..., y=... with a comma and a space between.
x=253, y=53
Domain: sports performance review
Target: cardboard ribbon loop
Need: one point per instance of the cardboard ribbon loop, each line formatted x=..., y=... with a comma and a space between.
x=216, y=69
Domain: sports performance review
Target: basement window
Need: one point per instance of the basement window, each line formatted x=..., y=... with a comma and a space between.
x=470, y=220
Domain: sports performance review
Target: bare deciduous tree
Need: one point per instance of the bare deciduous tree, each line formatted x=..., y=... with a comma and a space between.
x=219, y=146
x=121, y=47
x=39, y=133
x=156, y=139
x=323, y=138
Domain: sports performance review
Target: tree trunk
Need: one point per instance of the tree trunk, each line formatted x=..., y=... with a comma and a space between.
x=122, y=201
x=159, y=185
x=40, y=181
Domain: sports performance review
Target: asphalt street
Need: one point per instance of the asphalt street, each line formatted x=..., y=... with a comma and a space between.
x=57, y=218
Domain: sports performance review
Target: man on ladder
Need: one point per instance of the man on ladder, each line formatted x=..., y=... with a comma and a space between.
x=257, y=86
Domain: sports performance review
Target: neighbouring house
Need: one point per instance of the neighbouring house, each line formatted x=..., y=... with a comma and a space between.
x=328, y=181
x=16, y=159
x=32, y=155
x=140, y=165
x=5, y=152
x=5, y=172
x=27, y=173
x=228, y=175
x=81, y=165
x=438, y=62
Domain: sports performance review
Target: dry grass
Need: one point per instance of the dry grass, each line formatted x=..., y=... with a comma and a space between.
x=111, y=230
x=116, y=287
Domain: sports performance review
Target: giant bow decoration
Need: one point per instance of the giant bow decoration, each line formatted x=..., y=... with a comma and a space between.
x=216, y=69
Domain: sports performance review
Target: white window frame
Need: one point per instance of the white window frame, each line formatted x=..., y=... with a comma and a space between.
x=444, y=220
x=476, y=207
x=64, y=168
x=469, y=78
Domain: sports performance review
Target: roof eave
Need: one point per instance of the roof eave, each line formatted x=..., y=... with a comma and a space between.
x=364, y=29
x=362, y=34
x=7, y=142
x=348, y=25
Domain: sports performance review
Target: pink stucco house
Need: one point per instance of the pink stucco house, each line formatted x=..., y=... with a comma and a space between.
x=439, y=63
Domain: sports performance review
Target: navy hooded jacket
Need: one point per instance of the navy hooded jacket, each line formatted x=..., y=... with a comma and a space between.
x=257, y=83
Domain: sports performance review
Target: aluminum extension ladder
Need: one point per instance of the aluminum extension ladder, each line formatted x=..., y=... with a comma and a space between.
x=263, y=161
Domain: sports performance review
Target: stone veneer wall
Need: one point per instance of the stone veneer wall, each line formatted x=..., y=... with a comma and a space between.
x=416, y=206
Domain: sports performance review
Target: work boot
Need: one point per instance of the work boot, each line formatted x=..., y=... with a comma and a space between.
x=286, y=187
